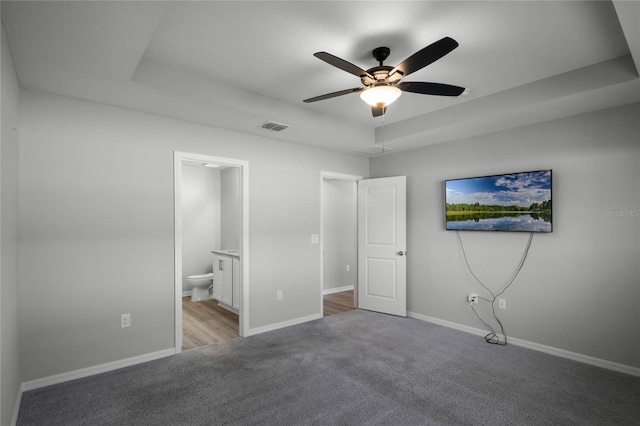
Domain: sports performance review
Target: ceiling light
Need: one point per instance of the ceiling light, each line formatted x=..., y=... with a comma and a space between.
x=382, y=95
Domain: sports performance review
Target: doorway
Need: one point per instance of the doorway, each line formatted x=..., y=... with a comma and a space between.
x=338, y=242
x=225, y=184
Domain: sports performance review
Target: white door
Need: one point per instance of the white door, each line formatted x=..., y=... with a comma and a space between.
x=382, y=239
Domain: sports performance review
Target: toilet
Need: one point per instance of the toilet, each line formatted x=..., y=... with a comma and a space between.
x=200, y=285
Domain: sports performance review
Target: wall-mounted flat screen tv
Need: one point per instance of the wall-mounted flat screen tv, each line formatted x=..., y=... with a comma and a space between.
x=509, y=202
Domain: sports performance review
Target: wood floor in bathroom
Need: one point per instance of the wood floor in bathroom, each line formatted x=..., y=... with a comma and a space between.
x=205, y=323
x=337, y=302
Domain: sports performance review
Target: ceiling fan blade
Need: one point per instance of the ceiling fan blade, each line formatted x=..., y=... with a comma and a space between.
x=377, y=111
x=438, y=89
x=342, y=64
x=426, y=56
x=334, y=94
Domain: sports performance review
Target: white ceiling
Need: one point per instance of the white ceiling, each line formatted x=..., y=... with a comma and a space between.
x=237, y=64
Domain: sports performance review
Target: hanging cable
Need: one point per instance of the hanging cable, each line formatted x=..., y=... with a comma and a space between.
x=493, y=337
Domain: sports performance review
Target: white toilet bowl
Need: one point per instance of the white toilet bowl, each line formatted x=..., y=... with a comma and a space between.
x=200, y=285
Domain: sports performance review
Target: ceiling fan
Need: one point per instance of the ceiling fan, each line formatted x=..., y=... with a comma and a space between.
x=382, y=84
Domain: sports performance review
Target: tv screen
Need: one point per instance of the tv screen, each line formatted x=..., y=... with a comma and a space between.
x=509, y=202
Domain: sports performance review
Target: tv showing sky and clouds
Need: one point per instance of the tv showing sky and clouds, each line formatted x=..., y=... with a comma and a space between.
x=509, y=202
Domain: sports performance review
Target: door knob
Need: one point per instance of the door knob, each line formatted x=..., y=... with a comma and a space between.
x=400, y=253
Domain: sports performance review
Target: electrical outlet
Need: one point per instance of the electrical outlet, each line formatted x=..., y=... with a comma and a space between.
x=348, y=268
x=279, y=295
x=502, y=303
x=125, y=320
x=315, y=238
x=473, y=298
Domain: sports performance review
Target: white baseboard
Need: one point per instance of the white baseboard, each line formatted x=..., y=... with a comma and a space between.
x=97, y=369
x=574, y=356
x=337, y=289
x=84, y=372
x=110, y=366
x=186, y=293
x=276, y=326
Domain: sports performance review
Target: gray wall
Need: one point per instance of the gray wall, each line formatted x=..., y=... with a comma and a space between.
x=231, y=208
x=200, y=219
x=579, y=289
x=339, y=233
x=9, y=355
x=96, y=231
x=96, y=226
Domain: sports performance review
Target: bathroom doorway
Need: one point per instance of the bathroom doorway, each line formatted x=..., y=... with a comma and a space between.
x=338, y=242
x=211, y=237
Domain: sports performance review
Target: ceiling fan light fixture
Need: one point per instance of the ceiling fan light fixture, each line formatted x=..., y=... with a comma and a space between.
x=382, y=95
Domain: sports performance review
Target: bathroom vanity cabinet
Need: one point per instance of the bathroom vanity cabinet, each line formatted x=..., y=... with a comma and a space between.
x=227, y=279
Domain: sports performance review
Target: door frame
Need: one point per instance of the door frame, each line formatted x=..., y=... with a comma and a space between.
x=324, y=175
x=184, y=157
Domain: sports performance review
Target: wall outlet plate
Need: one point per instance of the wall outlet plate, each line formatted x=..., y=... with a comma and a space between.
x=125, y=320
x=472, y=298
x=502, y=303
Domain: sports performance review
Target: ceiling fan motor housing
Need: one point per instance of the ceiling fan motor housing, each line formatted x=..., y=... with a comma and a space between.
x=381, y=72
x=381, y=75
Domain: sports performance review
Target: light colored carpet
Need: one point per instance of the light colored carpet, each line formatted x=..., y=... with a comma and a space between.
x=353, y=368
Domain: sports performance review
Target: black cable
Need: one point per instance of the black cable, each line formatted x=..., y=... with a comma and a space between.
x=493, y=337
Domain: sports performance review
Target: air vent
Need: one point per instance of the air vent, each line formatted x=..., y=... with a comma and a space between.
x=374, y=150
x=272, y=125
